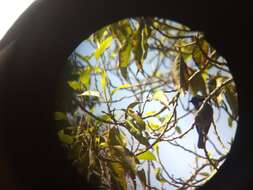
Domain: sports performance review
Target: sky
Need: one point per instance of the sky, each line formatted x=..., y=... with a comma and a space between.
x=10, y=10
x=177, y=161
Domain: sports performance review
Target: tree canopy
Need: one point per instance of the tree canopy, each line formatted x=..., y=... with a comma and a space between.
x=126, y=92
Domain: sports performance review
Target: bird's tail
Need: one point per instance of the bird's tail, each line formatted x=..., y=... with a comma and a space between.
x=201, y=143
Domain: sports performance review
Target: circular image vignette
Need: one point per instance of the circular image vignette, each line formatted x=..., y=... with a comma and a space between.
x=146, y=103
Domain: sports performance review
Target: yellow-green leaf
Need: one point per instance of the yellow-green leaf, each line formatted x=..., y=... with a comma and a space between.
x=153, y=125
x=159, y=176
x=121, y=87
x=85, y=77
x=74, y=85
x=230, y=122
x=161, y=96
x=90, y=93
x=119, y=176
x=137, y=118
x=103, y=80
x=125, y=55
x=67, y=139
x=60, y=116
x=204, y=174
x=200, y=53
x=103, y=46
x=148, y=155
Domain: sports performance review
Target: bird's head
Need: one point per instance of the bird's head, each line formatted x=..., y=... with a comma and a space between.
x=197, y=100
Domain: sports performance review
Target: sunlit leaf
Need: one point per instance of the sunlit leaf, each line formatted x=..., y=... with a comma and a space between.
x=60, y=116
x=148, y=155
x=161, y=96
x=74, y=85
x=85, y=77
x=132, y=105
x=156, y=147
x=64, y=138
x=149, y=113
x=135, y=131
x=103, y=80
x=90, y=93
x=103, y=145
x=137, y=118
x=119, y=177
x=158, y=175
x=103, y=46
x=204, y=174
x=153, y=125
x=200, y=52
x=127, y=158
x=121, y=87
x=125, y=55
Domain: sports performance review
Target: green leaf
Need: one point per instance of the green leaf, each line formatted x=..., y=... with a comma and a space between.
x=135, y=131
x=60, y=116
x=124, y=73
x=231, y=97
x=90, y=93
x=114, y=137
x=156, y=147
x=160, y=96
x=197, y=84
x=103, y=46
x=204, y=174
x=230, y=122
x=167, y=118
x=148, y=155
x=179, y=73
x=137, y=118
x=103, y=80
x=159, y=176
x=132, y=105
x=84, y=58
x=178, y=130
x=67, y=139
x=127, y=157
x=74, y=85
x=120, y=87
x=149, y=113
x=125, y=55
x=200, y=52
x=153, y=125
x=119, y=176
x=85, y=77
x=140, y=45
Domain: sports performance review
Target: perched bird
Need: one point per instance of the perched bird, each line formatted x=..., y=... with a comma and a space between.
x=203, y=119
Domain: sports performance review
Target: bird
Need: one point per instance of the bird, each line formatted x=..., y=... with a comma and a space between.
x=203, y=119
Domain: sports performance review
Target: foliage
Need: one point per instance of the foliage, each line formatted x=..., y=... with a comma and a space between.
x=111, y=130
